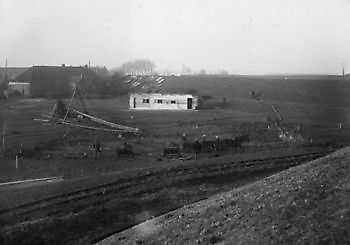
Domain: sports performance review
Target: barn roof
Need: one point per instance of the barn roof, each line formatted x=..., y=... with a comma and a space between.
x=12, y=72
x=49, y=72
x=57, y=79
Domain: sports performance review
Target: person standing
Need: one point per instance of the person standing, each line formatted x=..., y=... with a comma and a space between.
x=217, y=144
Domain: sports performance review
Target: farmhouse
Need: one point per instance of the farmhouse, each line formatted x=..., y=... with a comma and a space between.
x=57, y=80
x=157, y=101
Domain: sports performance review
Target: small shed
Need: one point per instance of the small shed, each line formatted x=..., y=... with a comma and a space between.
x=157, y=101
x=22, y=87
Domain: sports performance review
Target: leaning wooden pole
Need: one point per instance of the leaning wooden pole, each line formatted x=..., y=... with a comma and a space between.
x=75, y=90
x=276, y=112
x=110, y=124
x=70, y=102
x=82, y=101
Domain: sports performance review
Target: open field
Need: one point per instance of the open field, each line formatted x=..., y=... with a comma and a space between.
x=318, y=108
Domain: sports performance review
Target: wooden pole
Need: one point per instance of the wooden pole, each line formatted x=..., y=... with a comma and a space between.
x=21, y=149
x=70, y=102
x=276, y=112
x=75, y=90
x=3, y=138
x=112, y=125
x=82, y=100
x=53, y=110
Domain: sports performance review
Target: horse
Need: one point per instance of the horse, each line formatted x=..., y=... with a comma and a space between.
x=188, y=146
x=208, y=146
x=236, y=142
x=192, y=147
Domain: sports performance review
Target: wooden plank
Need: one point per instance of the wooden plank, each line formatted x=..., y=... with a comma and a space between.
x=110, y=124
x=31, y=180
x=92, y=128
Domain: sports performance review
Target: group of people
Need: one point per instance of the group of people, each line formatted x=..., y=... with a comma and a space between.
x=96, y=148
x=218, y=145
x=196, y=147
x=202, y=145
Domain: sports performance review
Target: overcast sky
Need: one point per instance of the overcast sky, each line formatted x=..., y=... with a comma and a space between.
x=240, y=36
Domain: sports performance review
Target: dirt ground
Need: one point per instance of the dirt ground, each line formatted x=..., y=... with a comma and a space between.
x=83, y=221
x=108, y=173
x=308, y=204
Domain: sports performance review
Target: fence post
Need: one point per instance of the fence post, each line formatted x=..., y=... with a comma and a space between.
x=3, y=138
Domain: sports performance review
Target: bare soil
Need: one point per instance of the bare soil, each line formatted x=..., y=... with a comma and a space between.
x=307, y=204
x=82, y=222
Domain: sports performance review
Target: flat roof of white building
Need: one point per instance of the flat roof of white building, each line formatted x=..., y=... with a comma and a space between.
x=18, y=83
x=160, y=94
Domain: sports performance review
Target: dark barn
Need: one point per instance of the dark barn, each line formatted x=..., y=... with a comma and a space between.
x=52, y=81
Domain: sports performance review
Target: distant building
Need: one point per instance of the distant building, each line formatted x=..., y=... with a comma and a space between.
x=10, y=73
x=57, y=80
x=157, y=101
x=22, y=88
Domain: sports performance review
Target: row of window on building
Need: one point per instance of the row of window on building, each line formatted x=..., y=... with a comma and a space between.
x=158, y=101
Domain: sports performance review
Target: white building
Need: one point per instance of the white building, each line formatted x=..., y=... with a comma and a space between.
x=156, y=101
x=22, y=87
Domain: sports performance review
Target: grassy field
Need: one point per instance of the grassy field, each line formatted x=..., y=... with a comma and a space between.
x=317, y=107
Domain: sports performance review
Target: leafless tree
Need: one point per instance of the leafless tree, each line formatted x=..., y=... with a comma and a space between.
x=138, y=67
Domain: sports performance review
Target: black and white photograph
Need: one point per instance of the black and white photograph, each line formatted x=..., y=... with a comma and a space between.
x=139, y=122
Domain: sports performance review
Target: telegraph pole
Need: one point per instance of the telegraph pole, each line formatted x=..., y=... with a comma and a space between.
x=3, y=138
x=4, y=126
x=6, y=76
